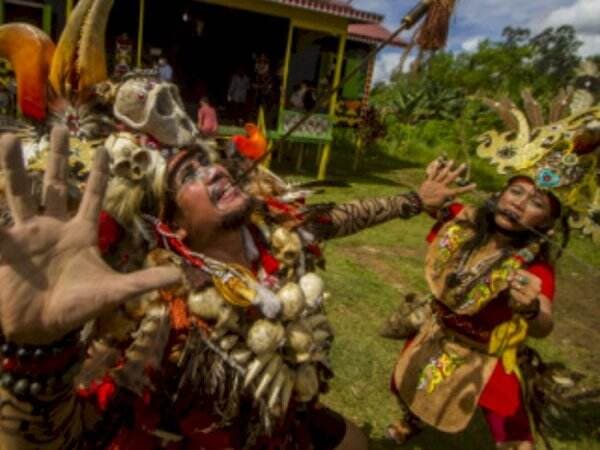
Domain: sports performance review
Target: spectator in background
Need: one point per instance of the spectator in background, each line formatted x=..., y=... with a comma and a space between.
x=297, y=97
x=263, y=82
x=237, y=94
x=165, y=71
x=310, y=98
x=303, y=98
x=207, y=119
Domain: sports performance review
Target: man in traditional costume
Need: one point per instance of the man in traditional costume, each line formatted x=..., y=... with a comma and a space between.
x=491, y=277
x=238, y=353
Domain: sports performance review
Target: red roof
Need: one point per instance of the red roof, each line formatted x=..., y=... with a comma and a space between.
x=372, y=33
x=334, y=7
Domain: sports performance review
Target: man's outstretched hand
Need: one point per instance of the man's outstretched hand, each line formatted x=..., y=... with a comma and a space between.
x=52, y=276
x=436, y=190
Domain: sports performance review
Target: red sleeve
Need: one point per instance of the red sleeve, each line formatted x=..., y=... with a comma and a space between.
x=109, y=232
x=544, y=272
x=452, y=211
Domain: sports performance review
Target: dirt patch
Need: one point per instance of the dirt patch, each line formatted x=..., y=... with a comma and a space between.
x=577, y=312
x=374, y=257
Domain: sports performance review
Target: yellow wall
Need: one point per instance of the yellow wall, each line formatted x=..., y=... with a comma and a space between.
x=300, y=17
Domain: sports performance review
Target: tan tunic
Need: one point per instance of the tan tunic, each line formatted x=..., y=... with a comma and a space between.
x=441, y=375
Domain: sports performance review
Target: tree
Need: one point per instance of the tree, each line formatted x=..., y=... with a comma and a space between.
x=439, y=110
x=555, y=53
x=515, y=36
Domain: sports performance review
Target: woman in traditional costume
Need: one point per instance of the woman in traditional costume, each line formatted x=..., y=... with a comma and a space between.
x=493, y=284
x=491, y=276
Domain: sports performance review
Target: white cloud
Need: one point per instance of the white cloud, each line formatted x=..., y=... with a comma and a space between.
x=471, y=44
x=477, y=19
x=387, y=7
x=591, y=44
x=584, y=16
x=496, y=14
x=385, y=65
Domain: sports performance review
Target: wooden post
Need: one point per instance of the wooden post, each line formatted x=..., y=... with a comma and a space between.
x=286, y=68
x=47, y=19
x=358, y=152
x=284, y=82
x=318, y=154
x=1, y=11
x=332, y=105
x=300, y=157
x=363, y=111
x=368, y=82
x=140, y=42
x=69, y=8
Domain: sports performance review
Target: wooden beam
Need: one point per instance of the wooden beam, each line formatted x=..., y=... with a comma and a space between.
x=286, y=68
x=313, y=20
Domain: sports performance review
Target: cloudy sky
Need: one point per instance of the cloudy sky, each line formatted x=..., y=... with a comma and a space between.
x=475, y=20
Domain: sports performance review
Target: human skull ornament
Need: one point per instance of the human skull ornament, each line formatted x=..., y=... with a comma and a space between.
x=155, y=108
x=208, y=304
x=307, y=383
x=137, y=308
x=313, y=287
x=286, y=246
x=265, y=336
x=299, y=339
x=128, y=159
x=292, y=301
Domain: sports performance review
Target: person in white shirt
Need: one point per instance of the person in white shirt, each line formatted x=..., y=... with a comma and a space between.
x=237, y=94
x=165, y=71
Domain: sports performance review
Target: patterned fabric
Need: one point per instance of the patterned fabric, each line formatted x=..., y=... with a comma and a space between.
x=439, y=368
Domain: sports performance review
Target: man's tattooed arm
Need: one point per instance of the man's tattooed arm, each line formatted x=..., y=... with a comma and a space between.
x=328, y=221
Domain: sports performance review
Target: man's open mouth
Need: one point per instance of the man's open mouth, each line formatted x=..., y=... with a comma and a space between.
x=221, y=189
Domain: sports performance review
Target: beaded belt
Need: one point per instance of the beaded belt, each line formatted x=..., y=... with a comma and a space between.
x=461, y=326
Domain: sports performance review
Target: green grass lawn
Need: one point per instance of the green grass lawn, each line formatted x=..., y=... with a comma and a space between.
x=368, y=275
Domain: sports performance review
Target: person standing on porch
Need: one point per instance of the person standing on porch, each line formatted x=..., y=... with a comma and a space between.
x=165, y=71
x=208, y=123
x=237, y=94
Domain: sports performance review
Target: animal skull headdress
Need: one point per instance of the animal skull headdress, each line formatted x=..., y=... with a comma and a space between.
x=155, y=108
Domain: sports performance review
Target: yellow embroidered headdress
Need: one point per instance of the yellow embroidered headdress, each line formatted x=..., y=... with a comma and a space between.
x=560, y=156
